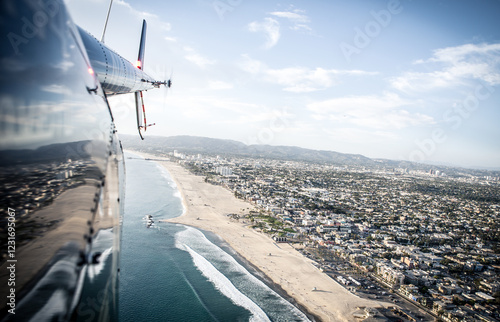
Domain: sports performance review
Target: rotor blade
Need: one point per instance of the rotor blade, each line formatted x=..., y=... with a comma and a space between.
x=142, y=46
x=170, y=78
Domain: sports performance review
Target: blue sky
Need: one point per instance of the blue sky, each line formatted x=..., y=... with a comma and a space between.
x=411, y=80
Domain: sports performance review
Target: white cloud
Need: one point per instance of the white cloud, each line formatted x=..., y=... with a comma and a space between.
x=300, y=26
x=199, y=60
x=300, y=88
x=353, y=104
x=251, y=65
x=145, y=15
x=299, y=21
x=172, y=39
x=219, y=85
x=456, y=55
x=298, y=79
x=393, y=120
x=196, y=58
x=453, y=66
x=223, y=110
x=290, y=15
x=270, y=27
x=166, y=26
x=384, y=112
x=359, y=136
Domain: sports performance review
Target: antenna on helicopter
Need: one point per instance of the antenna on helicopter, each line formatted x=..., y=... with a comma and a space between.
x=106, y=23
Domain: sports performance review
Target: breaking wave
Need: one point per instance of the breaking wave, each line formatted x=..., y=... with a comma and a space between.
x=234, y=280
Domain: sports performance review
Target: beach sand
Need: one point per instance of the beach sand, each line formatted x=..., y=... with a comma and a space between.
x=207, y=207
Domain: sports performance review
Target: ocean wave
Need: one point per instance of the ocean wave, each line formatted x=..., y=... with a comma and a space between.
x=168, y=179
x=276, y=307
x=223, y=284
x=166, y=175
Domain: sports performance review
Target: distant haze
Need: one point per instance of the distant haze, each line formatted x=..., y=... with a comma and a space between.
x=230, y=148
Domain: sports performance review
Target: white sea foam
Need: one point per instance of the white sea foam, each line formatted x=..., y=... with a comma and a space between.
x=166, y=175
x=223, y=284
x=168, y=178
x=194, y=241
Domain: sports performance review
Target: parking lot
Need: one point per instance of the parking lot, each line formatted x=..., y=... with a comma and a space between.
x=372, y=289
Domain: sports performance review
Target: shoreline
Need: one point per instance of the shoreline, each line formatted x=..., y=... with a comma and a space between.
x=313, y=292
x=260, y=275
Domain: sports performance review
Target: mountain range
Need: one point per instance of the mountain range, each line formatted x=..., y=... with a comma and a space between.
x=223, y=147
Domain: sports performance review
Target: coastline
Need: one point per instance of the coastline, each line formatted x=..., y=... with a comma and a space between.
x=206, y=207
x=259, y=274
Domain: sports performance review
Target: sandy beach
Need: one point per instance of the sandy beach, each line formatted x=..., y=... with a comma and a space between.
x=207, y=207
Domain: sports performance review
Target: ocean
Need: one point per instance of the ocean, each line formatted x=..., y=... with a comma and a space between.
x=172, y=272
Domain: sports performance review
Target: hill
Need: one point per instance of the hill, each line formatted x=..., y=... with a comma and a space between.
x=194, y=144
x=211, y=146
